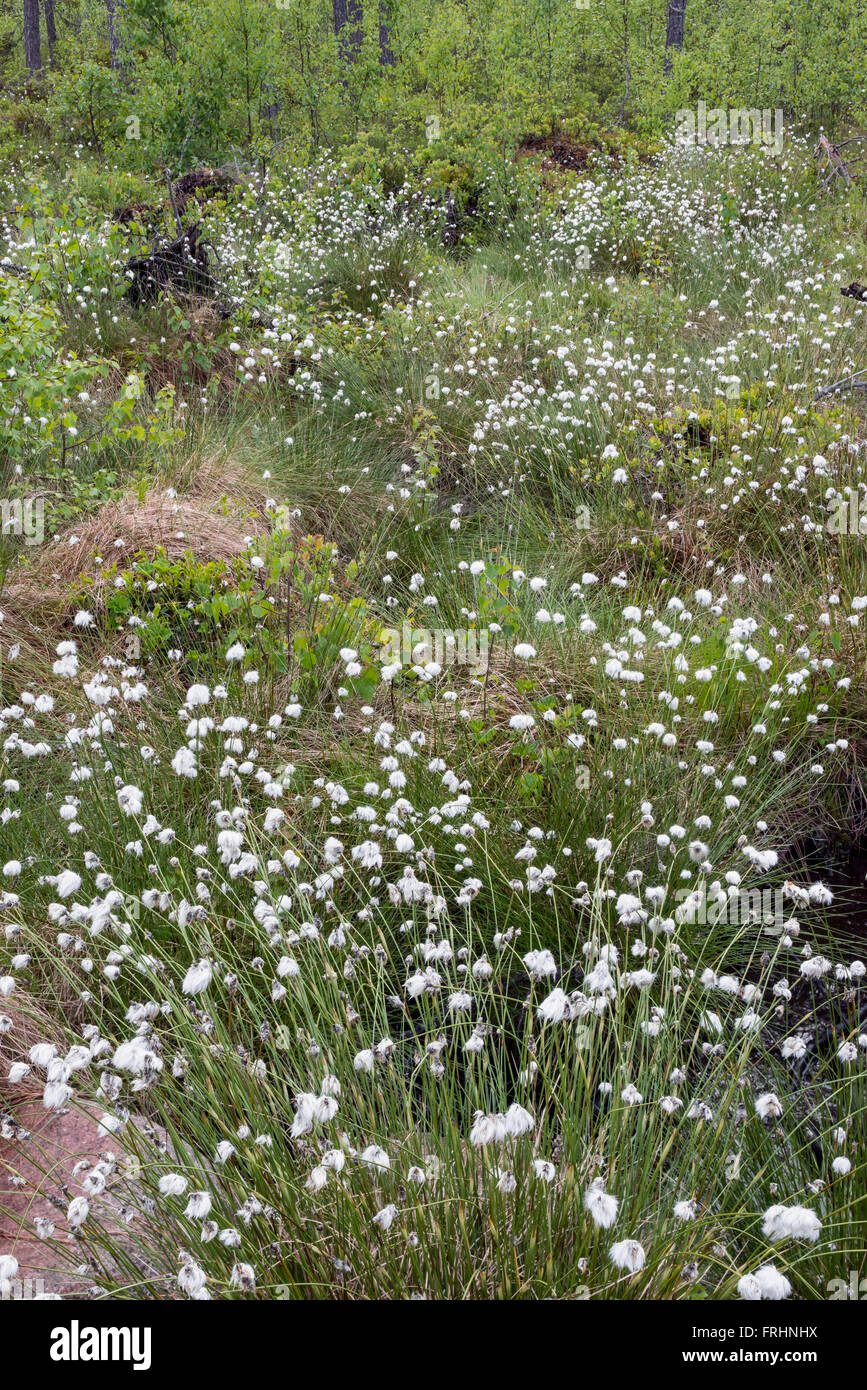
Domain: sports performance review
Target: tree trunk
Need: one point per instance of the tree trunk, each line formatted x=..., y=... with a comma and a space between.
x=627, y=70
x=386, y=56
x=32, y=48
x=674, y=30
x=113, y=9
x=346, y=13
x=50, y=29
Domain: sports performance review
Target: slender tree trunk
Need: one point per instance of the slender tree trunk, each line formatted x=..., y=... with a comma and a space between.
x=32, y=47
x=113, y=10
x=346, y=13
x=386, y=56
x=50, y=29
x=674, y=30
x=627, y=70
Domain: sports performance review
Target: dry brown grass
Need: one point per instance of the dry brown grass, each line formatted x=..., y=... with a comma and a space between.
x=222, y=481
x=129, y=527
x=39, y=599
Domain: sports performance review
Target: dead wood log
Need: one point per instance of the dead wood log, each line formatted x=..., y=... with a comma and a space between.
x=209, y=182
x=182, y=267
x=205, y=183
x=143, y=213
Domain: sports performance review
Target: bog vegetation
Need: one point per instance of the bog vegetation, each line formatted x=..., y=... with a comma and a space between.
x=433, y=648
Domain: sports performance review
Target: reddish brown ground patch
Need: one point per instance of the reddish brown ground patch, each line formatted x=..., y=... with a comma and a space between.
x=36, y=1180
x=558, y=151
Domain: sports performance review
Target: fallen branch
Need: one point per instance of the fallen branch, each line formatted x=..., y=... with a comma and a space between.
x=847, y=383
x=836, y=166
